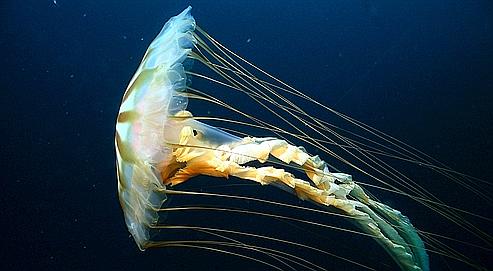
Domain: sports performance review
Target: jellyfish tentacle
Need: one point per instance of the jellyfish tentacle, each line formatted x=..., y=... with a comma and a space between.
x=390, y=221
x=389, y=227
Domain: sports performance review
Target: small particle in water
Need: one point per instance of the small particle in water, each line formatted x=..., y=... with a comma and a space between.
x=248, y=40
x=72, y=75
x=141, y=38
x=124, y=37
x=55, y=3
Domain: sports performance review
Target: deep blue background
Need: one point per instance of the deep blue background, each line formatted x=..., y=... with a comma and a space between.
x=419, y=70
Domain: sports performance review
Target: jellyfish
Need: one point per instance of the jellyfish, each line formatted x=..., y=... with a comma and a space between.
x=161, y=145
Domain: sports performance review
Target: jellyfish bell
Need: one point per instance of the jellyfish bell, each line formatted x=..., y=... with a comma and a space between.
x=151, y=117
x=153, y=95
x=160, y=144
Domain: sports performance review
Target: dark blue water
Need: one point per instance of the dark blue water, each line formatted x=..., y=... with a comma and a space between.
x=418, y=70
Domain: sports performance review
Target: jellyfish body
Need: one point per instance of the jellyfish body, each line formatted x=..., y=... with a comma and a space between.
x=152, y=96
x=160, y=145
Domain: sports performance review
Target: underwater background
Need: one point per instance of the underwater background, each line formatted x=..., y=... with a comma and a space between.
x=421, y=71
